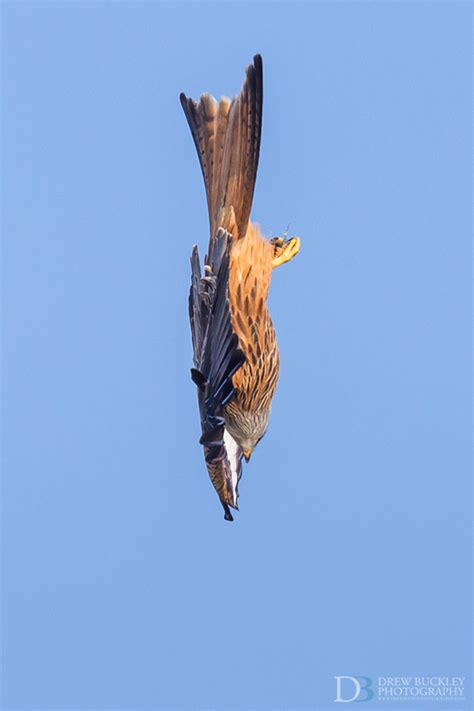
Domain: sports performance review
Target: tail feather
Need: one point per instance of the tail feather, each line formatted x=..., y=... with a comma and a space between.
x=227, y=138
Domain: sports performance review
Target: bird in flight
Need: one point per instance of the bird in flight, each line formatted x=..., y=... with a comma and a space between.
x=236, y=358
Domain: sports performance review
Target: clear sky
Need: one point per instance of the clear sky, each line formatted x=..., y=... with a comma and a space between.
x=123, y=587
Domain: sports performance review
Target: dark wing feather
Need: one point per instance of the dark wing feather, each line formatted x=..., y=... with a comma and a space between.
x=216, y=358
x=223, y=459
x=198, y=312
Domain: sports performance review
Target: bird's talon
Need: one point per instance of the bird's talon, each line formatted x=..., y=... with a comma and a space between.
x=284, y=250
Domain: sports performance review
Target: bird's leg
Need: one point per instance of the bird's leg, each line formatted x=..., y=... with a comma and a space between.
x=284, y=250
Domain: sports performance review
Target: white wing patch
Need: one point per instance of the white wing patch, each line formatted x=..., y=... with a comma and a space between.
x=234, y=454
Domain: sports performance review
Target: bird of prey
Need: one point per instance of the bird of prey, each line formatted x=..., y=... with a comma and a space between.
x=236, y=358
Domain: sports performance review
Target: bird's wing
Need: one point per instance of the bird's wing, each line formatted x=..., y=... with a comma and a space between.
x=224, y=464
x=227, y=137
x=216, y=359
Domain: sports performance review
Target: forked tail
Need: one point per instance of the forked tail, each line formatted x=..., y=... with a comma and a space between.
x=227, y=137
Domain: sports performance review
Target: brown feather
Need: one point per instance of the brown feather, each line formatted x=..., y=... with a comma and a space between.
x=227, y=138
x=249, y=280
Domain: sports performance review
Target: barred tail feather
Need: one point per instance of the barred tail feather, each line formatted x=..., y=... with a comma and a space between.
x=227, y=138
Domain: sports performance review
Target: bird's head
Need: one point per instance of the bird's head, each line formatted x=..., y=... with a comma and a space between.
x=248, y=445
x=248, y=429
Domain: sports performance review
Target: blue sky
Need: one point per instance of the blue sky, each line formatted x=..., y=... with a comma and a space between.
x=122, y=585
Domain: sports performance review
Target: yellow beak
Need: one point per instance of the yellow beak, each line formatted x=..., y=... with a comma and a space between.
x=247, y=455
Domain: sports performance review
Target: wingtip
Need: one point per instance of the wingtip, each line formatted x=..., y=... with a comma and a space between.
x=227, y=514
